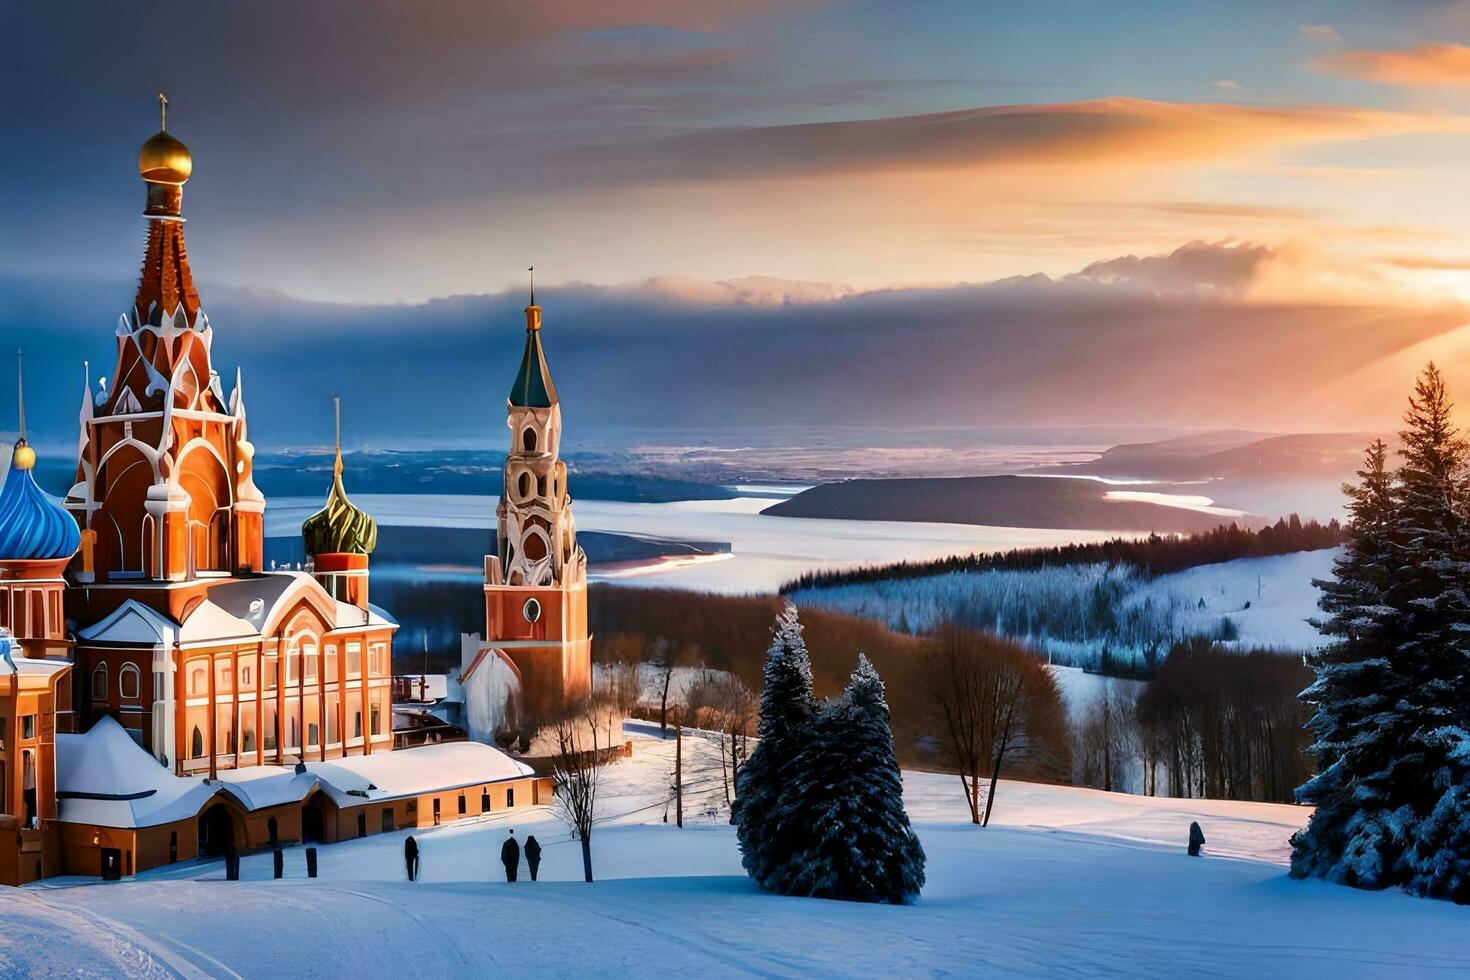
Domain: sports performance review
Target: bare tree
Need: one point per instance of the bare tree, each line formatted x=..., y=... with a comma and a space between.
x=997, y=702
x=723, y=710
x=619, y=687
x=577, y=767
x=1108, y=746
x=663, y=661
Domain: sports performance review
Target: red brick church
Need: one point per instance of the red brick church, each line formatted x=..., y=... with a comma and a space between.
x=162, y=695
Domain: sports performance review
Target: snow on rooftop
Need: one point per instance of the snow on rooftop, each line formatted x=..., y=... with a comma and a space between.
x=105, y=778
x=258, y=787
x=234, y=609
x=406, y=772
x=28, y=665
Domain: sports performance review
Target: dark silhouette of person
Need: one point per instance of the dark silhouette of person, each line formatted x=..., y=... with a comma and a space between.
x=1196, y=839
x=411, y=858
x=510, y=856
x=533, y=855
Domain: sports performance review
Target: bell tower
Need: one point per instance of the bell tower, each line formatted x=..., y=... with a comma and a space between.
x=164, y=489
x=536, y=582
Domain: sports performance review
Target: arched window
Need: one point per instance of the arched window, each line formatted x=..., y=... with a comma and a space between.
x=196, y=744
x=528, y=439
x=524, y=485
x=219, y=540
x=534, y=544
x=129, y=682
x=99, y=682
x=148, y=561
x=198, y=677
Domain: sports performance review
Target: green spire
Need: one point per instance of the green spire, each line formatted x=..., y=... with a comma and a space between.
x=533, y=387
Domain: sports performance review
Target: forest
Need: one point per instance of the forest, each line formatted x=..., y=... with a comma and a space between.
x=1156, y=554
x=1210, y=722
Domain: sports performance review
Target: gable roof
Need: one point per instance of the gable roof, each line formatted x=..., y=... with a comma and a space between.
x=133, y=624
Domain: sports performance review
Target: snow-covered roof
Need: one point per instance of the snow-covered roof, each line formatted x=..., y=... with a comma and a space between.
x=27, y=666
x=208, y=621
x=134, y=624
x=261, y=599
x=258, y=787
x=105, y=778
x=233, y=609
x=350, y=615
x=426, y=687
x=408, y=772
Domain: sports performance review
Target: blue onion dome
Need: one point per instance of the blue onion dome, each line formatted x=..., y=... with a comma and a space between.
x=32, y=528
x=340, y=527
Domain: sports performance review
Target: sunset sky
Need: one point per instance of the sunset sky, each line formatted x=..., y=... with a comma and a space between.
x=388, y=153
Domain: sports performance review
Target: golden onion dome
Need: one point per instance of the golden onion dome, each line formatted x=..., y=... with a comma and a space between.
x=165, y=160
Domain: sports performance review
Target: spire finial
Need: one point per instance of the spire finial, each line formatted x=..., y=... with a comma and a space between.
x=337, y=410
x=24, y=456
x=533, y=312
x=162, y=112
x=20, y=390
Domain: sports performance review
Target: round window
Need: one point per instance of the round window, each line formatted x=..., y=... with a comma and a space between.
x=531, y=610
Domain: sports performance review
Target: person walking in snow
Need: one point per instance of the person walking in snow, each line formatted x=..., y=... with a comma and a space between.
x=510, y=856
x=533, y=855
x=411, y=858
x=1196, y=839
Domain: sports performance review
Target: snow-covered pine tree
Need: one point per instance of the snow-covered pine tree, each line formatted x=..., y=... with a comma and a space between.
x=1354, y=836
x=1394, y=793
x=786, y=712
x=846, y=789
x=1430, y=575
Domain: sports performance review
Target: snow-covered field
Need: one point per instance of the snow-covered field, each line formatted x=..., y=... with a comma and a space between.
x=1075, y=612
x=1065, y=882
x=1267, y=599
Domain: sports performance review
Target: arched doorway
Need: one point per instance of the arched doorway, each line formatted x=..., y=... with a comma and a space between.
x=318, y=820
x=217, y=831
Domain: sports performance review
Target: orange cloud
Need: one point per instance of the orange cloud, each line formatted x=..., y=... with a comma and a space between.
x=1424, y=65
x=1117, y=132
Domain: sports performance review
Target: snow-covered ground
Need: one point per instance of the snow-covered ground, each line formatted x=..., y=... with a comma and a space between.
x=1064, y=882
x=1268, y=599
x=1075, y=612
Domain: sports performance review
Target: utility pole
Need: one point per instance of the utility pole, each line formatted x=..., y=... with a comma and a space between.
x=679, y=768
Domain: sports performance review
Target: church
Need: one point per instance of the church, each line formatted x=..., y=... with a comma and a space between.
x=163, y=695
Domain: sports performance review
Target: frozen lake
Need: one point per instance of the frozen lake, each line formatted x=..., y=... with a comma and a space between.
x=764, y=551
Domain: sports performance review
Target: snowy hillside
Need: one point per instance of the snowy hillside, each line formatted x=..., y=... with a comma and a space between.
x=1065, y=882
x=1076, y=612
x=1267, y=599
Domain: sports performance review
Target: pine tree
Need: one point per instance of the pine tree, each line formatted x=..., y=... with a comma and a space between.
x=786, y=713
x=1429, y=586
x=1393, y=794
x=846, y=789
x=1352, y=837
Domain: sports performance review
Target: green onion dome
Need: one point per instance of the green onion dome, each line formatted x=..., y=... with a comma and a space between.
x=340, y=527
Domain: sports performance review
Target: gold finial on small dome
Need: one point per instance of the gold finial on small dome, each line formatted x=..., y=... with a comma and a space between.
x=24, y=457
x=163, y=159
